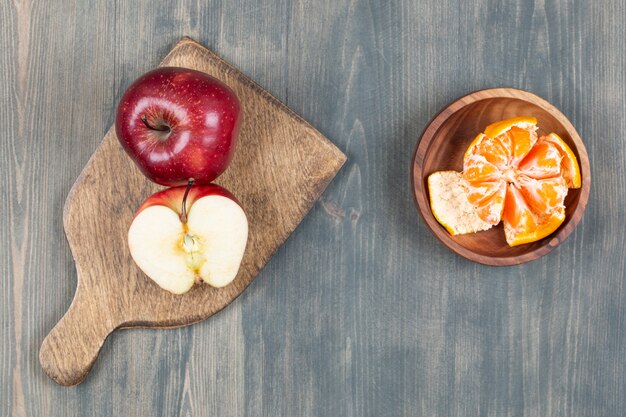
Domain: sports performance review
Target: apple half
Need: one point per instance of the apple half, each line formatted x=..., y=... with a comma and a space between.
x=184, y=235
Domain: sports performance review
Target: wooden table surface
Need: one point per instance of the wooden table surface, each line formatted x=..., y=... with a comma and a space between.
x=362, y=312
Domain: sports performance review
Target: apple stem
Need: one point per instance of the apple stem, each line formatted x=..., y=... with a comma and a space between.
x=183, y=213
x=162, y=128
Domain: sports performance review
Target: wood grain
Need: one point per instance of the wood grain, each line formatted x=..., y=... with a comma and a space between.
x=362, y=313
x=442, y=146
x=281, y=167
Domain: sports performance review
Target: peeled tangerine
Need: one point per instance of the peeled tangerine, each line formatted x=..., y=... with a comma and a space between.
x=509, y=175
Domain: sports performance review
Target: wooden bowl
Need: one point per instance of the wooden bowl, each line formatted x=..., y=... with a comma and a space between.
x=443, y=144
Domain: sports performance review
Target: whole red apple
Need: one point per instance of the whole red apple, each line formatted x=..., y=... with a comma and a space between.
x=178, y=124
x=183, y=235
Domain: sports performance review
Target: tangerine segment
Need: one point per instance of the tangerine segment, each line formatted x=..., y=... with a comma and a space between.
x=517, y=135
x=520, y=142
x=479, y=193
x=517, y=214
x=543, y=196
x=471, y=149
x=543, y=161
x=493, y=150
x=476, y=168
x=490, y=207
x=546, y=228
x=484, y=160
x=569, y=164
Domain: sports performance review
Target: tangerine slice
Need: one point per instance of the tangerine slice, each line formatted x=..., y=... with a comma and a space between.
x=543, y=196
x=521, y=225
x=546, y=228
x=543, y=161
x=494, y=152
x=477, y=169
x=472, y=146
x=518, y=143
x=490, y=208
x=479, y=192
x=569, y=164
x=517, y=215
x=484, y=160
x=517, y=135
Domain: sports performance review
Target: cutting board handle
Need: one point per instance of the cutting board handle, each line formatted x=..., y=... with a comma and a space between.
x=71, y=348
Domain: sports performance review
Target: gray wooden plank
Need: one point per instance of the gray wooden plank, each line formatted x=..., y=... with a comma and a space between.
x=362, y=312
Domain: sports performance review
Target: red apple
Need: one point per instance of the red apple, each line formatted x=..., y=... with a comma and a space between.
x=178, y=124
x=183, y=235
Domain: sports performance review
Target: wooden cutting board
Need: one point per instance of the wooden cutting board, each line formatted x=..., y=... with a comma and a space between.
x=281, y=167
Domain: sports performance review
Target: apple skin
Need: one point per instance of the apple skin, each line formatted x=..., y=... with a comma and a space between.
x=190, y=128
x=173, y=197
